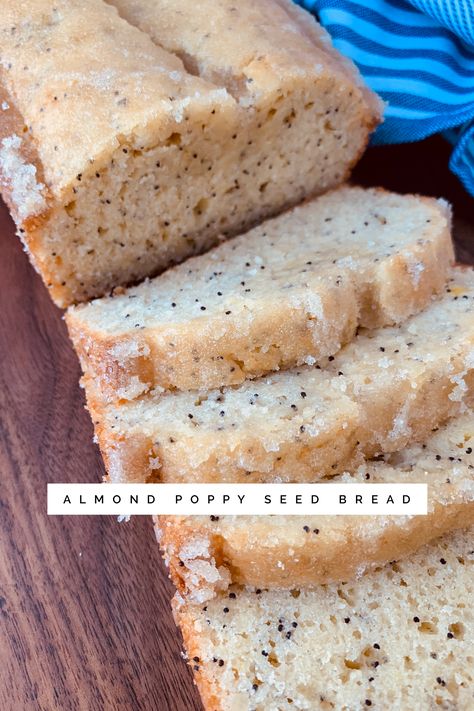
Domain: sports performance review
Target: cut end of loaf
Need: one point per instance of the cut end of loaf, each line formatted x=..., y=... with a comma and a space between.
x=163, y=150
x=155, y=203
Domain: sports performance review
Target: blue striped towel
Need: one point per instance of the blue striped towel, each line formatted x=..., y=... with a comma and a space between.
x=419, y=56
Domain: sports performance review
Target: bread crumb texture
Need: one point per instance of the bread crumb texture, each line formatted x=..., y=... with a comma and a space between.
x=387, y=388
x=401, y=637
x=205, y=553
x=157, y=132
x=286, y=293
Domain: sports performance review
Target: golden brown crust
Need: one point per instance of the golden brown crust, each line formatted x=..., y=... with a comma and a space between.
x=208, y=689
x=110, y=374
x=125, y=458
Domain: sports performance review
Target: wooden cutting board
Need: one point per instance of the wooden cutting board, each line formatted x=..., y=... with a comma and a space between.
x=84, y=602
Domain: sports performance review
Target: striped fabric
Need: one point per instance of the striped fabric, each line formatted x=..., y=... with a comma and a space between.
x=419, y=56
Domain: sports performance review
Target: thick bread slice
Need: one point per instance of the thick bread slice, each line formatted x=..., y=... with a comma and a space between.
x=119, y=157
x=207, y=554
x=286, y=293
x=394, y=385
x=399, y=638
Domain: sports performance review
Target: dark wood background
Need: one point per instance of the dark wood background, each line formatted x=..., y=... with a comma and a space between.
x=84, y=602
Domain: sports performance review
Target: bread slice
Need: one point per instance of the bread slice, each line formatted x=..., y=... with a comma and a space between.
x=124, y=150
x=401, y=637
x=284, y=294
x=390, y=387
x=205, y=554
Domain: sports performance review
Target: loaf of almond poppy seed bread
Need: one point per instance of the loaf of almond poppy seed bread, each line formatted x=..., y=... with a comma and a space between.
x=401, y=637
x=207, y=553
x=286, y=293
x=124, y=149
x=387, y=388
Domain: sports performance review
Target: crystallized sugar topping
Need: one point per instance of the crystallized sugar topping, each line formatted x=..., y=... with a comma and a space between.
x=194, y=548
x=133, y=390
x=26, y=192
x=200, y=571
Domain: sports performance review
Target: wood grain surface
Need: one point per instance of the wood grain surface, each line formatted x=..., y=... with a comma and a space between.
x=84, y=602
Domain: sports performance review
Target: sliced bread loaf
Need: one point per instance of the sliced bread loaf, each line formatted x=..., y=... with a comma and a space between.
x=391, y=387
x=401, y=637
x=206, y=554
x=123, y=150
x=288, y=292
